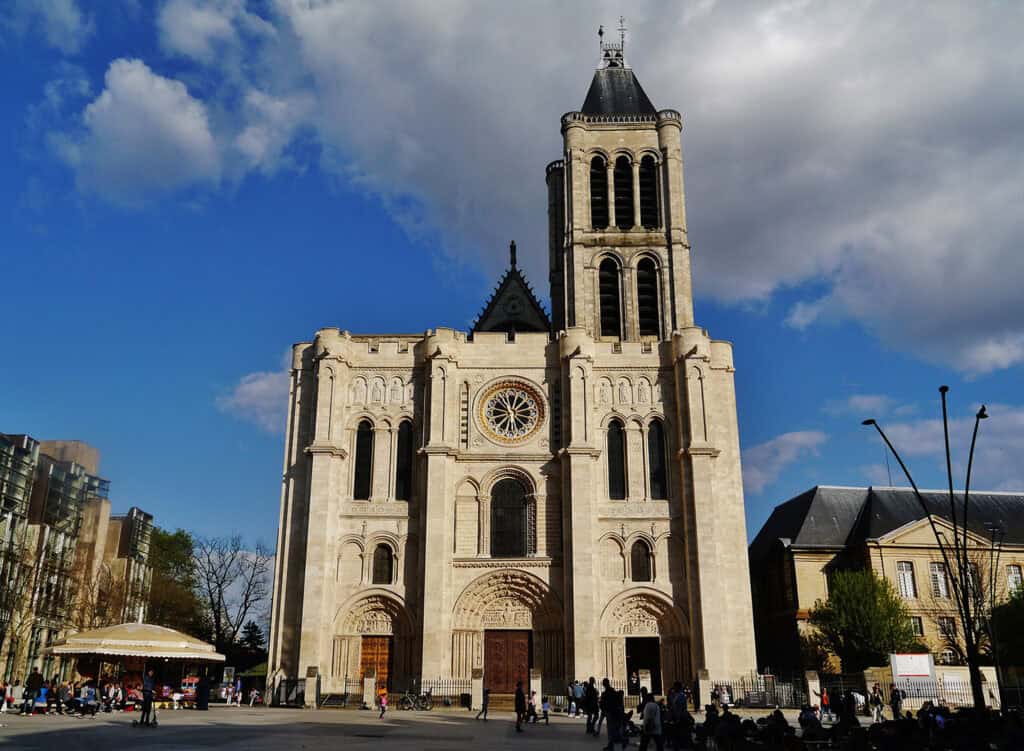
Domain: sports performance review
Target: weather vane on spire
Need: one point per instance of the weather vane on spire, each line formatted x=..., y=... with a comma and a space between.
x=622, y=32
x=613, y=55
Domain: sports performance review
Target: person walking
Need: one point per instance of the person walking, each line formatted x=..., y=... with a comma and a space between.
x=590, y=702
x=3, y=696
x=148, y=685
x=32, y=686
x=876, y=703
x=531, y=708
x=609, y=710
x=383, y=704
x=484, y=703
x=651, y=729
x=520, y=706
x=895, y=701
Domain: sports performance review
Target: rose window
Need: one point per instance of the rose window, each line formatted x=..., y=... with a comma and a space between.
x=511, y=412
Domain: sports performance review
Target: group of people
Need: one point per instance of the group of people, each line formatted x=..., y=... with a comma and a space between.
x=77, y=698
x=234, y=695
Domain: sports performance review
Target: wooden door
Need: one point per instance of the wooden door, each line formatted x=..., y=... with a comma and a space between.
x=376, y=654
x=506, y=660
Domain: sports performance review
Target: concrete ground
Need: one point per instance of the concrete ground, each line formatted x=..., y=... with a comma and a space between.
x=264, y=729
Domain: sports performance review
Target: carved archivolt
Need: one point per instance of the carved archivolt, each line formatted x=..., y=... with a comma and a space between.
x=375, y=614
x=507, y=599
x=642, y=613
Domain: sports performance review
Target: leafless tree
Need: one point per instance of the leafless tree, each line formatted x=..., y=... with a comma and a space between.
x=943, y=610
x=232, y=583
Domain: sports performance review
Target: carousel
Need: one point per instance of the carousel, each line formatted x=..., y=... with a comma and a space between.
x=124, y=653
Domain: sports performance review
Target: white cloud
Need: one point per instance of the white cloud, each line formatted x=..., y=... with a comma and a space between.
x=999, y=456
x=863, y=405
x=143, y=136
x=196, y=29
x=764, y=463
x=61, y=22
x=260, y=398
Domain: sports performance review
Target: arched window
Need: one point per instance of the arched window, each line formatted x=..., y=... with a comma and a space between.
x=509, y=523
x=598, y=193
x=608, y=289
x=364, y=461
x=656, y=459
x=616, y=461
x=647, y=297
x=649, y=193
x=383, y=565
x=623, y=181
x=403, y=462
x=640, y=561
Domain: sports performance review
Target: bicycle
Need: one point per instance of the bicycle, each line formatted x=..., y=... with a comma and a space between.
x=422, y=702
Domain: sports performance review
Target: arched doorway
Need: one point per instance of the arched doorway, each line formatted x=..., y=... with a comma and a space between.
x=507, y=623
x=644, y=634
x=371, y=632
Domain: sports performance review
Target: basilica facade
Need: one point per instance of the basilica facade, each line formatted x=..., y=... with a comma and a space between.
x=558, y=494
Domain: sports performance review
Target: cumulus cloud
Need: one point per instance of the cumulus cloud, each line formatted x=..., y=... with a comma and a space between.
x=873, y=149
x=863, y=405
x=764, y=463
x=144, y=135
x=260, y=398
x=999, y=457
x=61, y=22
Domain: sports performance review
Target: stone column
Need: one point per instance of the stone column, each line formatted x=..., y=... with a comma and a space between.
x=636, y=195
x=634, y=462
x=381, y=462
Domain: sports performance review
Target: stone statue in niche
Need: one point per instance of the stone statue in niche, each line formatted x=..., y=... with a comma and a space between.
x=378, y=393
x=359, y=392
x=645, y=392
x=396, y=392
x=606, y=393
x=624, y=397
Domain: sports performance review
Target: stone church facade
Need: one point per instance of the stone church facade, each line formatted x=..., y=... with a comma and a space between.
x=558, y=494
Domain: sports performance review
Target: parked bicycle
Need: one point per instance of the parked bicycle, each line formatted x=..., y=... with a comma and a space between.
x=422, y=702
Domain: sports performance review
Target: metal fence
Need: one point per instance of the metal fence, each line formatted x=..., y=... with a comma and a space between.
x=758, y=691
x=447, y=690
x=290, y=692
x=948, y=692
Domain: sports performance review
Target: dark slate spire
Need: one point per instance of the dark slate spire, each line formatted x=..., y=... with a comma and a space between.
x=615, y=89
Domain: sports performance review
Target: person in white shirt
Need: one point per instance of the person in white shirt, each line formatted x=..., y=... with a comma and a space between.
x=652, y=726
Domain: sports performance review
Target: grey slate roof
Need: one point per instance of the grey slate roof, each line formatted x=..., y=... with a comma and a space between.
x=836, y=517
x=513, y=306
x=616, y=91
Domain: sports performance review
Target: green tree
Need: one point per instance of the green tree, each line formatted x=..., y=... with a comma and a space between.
x=252, y=636
x=863, y=620
x=172, y=599
x=1008, y=625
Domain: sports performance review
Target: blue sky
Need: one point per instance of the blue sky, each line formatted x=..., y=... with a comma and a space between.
x=174, y=173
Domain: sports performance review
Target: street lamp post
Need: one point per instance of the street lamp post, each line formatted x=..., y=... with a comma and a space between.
x=997, y=533
x=960, y=574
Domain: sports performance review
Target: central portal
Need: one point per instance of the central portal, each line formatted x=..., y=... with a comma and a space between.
x=643, y=653
x=377, y=655
x=507, y=659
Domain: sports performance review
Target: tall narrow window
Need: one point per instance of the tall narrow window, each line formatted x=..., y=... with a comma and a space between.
x=616, y=461
x=1013, y=578
x=608, y=289
x=623, y=182
x=647, y=297
x=640, y=561
x=383, y=565
x=364, y=461
x=403, y=462
x=649, y=193
x=905, y=580
x=940, y=583
x=598, y=193
x=508, y=519
x=656, y=459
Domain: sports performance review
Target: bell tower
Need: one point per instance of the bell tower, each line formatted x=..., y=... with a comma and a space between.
x=619, y=254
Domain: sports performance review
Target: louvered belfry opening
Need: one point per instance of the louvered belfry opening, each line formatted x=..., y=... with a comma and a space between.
x=598, y=193
x=647, y=297
x=649, y=193
x=403, y=463
x=608, y=287
x=624, y=218
x=656, y=460
x=616, y=461
x=364, y=461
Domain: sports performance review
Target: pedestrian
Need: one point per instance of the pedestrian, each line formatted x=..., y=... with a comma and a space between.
x=32, y=686
x=3, y=697
x=383, y=703
x=590, y=702
x=609, y=710
x=238, y=691
x=148, y=685
x=876, y=703
x=254, y=696
x=531, y=708
x=520, y=706
x=577, y=694
x=895, y=701
x=545, y=706
x=484, y=703
x=651, y=726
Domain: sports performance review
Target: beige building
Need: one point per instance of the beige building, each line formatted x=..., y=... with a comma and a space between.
x=559, y=495
x=827, y=528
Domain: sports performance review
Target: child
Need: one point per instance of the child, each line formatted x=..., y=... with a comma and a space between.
x=383, y=704
x=531, y=708
x=545, y=707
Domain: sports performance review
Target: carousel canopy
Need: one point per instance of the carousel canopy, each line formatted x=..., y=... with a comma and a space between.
x=136, y=640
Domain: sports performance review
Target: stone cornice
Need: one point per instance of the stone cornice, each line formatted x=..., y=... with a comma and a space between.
x=580, y=451
x=506, y=563
x=331, y=449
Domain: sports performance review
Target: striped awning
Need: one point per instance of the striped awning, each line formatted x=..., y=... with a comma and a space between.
x=136, y=640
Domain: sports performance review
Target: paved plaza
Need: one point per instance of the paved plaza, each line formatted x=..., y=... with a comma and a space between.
x=286, y=729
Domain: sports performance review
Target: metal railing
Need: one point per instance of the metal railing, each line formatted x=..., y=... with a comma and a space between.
x=758, y=691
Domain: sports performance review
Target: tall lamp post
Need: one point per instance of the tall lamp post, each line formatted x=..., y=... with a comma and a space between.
x=997, y=533
x=955, y=559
